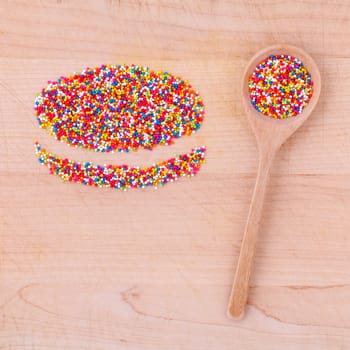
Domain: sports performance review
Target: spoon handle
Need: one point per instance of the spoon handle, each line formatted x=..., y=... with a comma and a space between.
x=239, y=293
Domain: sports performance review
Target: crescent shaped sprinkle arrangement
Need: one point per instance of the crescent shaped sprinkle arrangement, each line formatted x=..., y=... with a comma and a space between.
x=122, y=177
x=120, y=108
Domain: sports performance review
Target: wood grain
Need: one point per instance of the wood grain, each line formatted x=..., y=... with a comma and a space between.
x=84, y=268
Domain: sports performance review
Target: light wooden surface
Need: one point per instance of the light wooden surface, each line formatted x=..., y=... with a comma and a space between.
x=84, y=268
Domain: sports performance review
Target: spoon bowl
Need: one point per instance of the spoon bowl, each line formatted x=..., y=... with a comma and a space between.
x=270, y=134
x=281, y=129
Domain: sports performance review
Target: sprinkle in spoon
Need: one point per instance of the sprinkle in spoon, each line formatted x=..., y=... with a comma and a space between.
x=270, y=134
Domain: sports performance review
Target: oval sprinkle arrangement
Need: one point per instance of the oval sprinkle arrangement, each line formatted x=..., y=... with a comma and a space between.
x=119, y=108
x=280, y=86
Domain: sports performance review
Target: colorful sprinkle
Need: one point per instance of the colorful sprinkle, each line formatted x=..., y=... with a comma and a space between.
x=122, y=177
x=280, y=86
x=119, y=108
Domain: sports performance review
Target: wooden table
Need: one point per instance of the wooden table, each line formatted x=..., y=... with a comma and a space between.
x=88, y=268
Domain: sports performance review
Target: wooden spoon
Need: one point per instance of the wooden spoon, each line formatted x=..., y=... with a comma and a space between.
x=270, y=134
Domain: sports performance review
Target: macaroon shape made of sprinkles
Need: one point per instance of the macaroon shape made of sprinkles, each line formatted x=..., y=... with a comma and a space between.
x=122, y=177
x=280, y=86
x=119, y=108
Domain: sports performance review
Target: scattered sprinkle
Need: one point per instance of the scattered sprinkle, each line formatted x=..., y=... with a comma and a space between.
x=119, y=108
x=122, y=177
x=280, y=86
